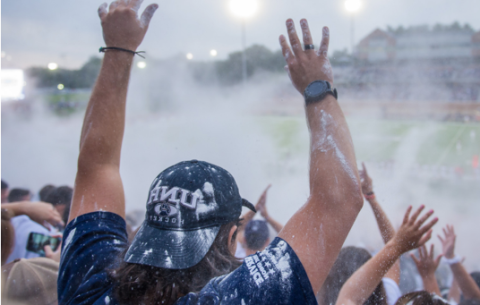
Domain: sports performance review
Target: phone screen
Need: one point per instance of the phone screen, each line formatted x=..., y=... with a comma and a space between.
x=37, y=241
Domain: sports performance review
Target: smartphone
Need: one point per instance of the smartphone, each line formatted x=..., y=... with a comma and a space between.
x=37, y=241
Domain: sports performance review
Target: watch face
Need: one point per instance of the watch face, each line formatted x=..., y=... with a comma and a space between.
x=316, y=88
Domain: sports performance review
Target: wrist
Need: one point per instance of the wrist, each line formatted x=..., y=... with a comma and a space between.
x=394, y=249
x=452, y=260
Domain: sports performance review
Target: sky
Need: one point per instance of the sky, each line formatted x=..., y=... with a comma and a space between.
x=68, y=32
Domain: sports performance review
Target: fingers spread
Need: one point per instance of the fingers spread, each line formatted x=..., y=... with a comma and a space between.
x=407, y=215
x=294, y=41
x=113, y=5
x=428, y=226
x=415, y=215
x=134, y=4
x=287, y=53
x=414, y=258
x=148, y=14
x=323, y=51
x=425, y=238
x=307, y=37
x=102, y=10
x=423, y=219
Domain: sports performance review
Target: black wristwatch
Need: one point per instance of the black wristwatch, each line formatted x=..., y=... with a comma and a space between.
x=317, y=90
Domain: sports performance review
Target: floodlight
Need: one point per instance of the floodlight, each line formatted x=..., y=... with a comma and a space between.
x=353, y=5
x=243, y=8
x=52, y=66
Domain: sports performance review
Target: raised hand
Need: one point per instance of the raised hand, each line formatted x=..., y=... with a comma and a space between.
x=426, y=263
x=367, y=185
x=121, y=27
x=306, y=66
x=53, y=255
x=261, y=203
x=43, y=212
x=411, y=233
x=448, y=242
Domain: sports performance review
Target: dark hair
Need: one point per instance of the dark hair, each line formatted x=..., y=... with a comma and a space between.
x=4, y=185
x=256, y=234
x=60, y=195
x=470, y=302
x=476, y=277
x=348, y=261
x=17, y=194
x=421, y=298
x=43, y=193
x=8, y=235
x=148, y=285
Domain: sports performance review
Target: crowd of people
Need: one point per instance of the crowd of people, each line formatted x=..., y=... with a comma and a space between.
x=79, y=246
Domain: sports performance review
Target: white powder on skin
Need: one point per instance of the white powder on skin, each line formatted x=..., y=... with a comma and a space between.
x=326, y=143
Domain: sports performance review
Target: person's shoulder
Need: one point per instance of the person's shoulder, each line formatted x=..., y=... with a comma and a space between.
x=273, y=276
x=92, y=246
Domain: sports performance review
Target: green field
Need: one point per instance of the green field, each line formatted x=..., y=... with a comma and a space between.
x=423, y=143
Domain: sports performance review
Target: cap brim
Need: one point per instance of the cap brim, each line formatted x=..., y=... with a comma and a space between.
x=170, y=249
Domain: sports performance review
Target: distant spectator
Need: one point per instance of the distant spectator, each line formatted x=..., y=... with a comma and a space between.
x=348, y=261
x=5, y=192
x=19, y=195
x=257, y=236
x=47, y=189
x=465, y=281
x=61, y=198
x=30, y=281
x=258, y=231
x=8, y=235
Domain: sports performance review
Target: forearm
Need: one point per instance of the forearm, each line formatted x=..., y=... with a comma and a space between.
x=430, y=284
x=363, y=282
x=387, y=232
x=384, y=225
x=454, y=293
x=103, y=126
x=465, y=281
x=275, y=224
x=16, y=208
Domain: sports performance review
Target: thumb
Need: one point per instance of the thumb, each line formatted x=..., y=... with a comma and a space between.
x=148, y=14
x=48, y=251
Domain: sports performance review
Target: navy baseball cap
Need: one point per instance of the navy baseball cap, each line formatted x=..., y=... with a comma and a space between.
x=186, y=206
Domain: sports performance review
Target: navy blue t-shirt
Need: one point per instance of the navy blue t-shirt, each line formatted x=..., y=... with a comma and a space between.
x=92, y=243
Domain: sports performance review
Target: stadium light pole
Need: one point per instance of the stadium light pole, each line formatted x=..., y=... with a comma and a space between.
x=244, y=9
x=352, y=6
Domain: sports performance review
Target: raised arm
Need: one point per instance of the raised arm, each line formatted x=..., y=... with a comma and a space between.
x=464, y=279
x=98, y=185
x=40, y=212
x=317, y=231
x=384, y=225
x=262, y=208
x=427, y=265
x=409, y=236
